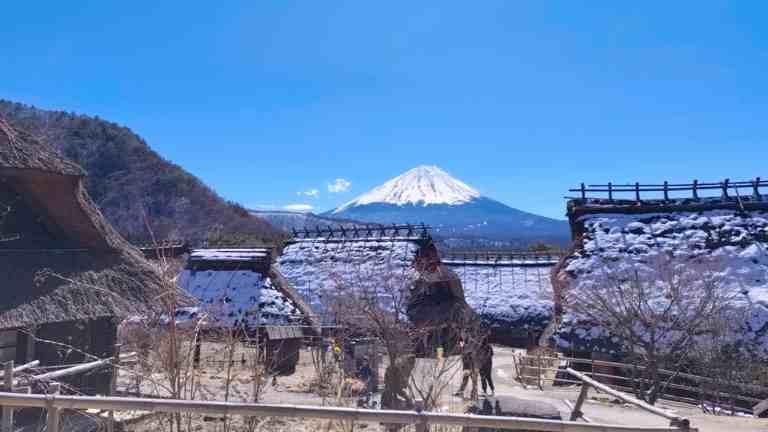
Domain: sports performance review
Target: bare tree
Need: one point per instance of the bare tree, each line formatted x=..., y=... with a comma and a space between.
x=659, y=310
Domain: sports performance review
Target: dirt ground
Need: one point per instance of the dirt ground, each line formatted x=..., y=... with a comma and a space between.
x=295, y=389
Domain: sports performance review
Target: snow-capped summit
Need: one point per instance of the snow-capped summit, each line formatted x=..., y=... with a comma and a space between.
x=424, y=185
x=453, y=209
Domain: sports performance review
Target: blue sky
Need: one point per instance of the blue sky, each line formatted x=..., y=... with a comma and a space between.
x=263, y=100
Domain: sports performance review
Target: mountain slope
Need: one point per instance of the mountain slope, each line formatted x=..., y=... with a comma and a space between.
x=428, y=194
x=132, y=184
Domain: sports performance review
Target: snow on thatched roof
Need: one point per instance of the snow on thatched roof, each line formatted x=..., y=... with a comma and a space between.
x=728, y=238
x=508, y=294
x=61, y=259
x=239, y=288
x=321, y=269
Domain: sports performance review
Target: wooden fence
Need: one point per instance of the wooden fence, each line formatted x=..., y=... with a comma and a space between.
x=537, y=370
x=726, y=188
x=363, y=231
x=501, y=257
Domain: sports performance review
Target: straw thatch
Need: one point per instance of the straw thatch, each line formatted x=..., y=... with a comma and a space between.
x=60, y=259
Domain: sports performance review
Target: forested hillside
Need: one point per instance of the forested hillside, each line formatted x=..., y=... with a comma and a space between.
x=133, y=185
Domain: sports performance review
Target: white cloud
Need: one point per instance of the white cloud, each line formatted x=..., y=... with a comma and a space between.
x=314, y=193
x=339, y=185
x=299, y=207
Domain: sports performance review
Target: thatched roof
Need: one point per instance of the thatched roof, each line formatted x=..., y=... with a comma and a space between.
x=239, y=287
x=61, y=260
x=725, y=237
x=20, y=150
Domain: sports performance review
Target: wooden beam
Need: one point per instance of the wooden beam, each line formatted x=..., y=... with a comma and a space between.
x=676, y=420
x=576, y=413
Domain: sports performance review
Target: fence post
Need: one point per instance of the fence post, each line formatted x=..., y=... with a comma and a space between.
x=637, y=191
x=756, y=189
x=583, y=192
x=724, y=185
x=113, y=386
x=538, y=362
x=8, y=387
x=666, y=190
x=53, y=413
x=695, y=189
x=422, y=425
x=610, y=191
x=576, y=413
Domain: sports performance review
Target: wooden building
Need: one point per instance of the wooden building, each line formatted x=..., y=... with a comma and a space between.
x=622, y=231
x=399, y=266
x=68, y=277
x=510, y=290
x=239, y=290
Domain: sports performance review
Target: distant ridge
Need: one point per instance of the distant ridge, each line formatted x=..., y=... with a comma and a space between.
x=133, y=185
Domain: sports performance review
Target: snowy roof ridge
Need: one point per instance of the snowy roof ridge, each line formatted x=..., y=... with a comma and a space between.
x=425, y=184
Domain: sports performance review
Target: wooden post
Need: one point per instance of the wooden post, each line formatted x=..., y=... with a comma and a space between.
x=541, y=387
x=756, y=189
x=637, y=191
x=583, y=192
x=610, y=191
x=695, y=189
x=8, y=387
x=666, y=190
x=576, y=413
x=724, y=185
x=53, y=413
x=113, y=386
x=422, y=425
x=31, y=344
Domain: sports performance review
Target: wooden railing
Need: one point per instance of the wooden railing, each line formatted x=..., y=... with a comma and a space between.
x=501, y=257
x=365, y=231
x=53, y=404
x=542, y=365
x=726, y=188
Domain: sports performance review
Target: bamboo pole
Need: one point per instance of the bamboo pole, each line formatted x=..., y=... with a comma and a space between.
x=83, y=367
x=22, y=368
x=349, y=414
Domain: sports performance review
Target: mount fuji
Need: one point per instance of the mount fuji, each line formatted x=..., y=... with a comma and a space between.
x=454, y=209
